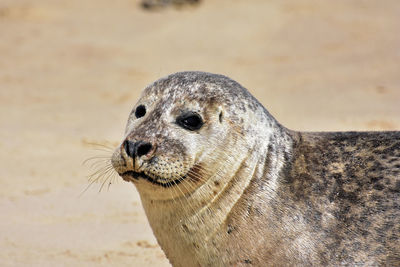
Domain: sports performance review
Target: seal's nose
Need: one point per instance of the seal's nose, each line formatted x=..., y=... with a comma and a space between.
x=137, y=149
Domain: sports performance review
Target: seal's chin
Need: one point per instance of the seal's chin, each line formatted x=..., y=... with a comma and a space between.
x=132, y=176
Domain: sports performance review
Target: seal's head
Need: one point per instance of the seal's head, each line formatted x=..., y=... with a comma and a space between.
x=185, y=131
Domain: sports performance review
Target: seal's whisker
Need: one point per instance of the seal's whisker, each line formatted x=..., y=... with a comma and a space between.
x=211, y=172
x=96, y=158
x=100, y=163
x=112, y=179
x=108, y=174
x=103, y=150
x=207, y=173
x=103, y=177
x=189, y=203
x=170, y=185
x=175, y=188
x=183, y=195
x=214, y=174
x=103, y=169
x=100, y=171
x=105, y=147
x=86, y=188
x=93, y=179
x=187, y=186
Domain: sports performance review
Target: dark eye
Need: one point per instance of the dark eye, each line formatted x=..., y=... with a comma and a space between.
x=140, y=111
x=190, y=121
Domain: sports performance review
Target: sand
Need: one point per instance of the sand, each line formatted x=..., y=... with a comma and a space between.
x=71, y=70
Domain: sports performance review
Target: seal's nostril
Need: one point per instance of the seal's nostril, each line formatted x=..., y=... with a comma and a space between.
x=142, y=148
x=129, y=147
x=137, y=149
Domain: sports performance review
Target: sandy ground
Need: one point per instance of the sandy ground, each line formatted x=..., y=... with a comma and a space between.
x=71, y=70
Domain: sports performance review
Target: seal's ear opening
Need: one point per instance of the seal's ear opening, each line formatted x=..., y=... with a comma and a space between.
x=221, y=117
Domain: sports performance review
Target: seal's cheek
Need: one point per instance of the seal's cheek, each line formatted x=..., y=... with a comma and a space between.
x=196, y=173
x=172, y=148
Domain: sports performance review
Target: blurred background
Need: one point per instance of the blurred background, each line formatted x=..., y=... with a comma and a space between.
x=71, y=70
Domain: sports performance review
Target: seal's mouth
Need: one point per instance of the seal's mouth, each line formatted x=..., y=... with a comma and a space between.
x=131, y=175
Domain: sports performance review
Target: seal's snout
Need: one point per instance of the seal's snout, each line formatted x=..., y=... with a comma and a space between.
x=138, y=149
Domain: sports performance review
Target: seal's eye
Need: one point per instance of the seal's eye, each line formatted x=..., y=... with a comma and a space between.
x=190, y=121
x=140, y=111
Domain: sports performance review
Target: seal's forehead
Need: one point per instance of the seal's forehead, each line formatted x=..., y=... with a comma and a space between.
x=198, y=86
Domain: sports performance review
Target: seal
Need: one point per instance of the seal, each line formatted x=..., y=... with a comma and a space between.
x=224, y=184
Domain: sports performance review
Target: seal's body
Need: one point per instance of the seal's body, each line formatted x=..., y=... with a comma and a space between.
x=223, y=183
